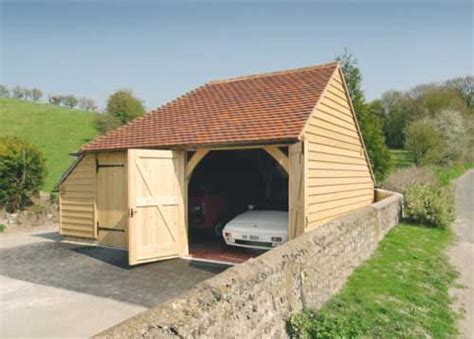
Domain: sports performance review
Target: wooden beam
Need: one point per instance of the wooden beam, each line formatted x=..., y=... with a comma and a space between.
x=279, y=156
x=194, y=161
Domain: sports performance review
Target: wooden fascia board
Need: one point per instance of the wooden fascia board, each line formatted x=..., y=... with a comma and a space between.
x=68, y=171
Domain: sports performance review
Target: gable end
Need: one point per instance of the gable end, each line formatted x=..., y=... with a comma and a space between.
x=338, y=175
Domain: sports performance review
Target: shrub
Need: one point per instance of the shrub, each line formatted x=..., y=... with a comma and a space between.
x=22, y=172
x=301, y=325
x=322, y=324
x=404, y=178
x=2, y=227
x=430, y=205
x=106, y=122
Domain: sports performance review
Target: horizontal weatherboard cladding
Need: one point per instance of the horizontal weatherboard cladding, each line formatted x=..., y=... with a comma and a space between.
x=338, y=179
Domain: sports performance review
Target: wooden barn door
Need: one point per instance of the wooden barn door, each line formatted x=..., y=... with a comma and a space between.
x=156, y=205
x=111, y=199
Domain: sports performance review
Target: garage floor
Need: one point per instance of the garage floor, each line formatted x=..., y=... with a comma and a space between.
x=55, y=284
x=205, y=248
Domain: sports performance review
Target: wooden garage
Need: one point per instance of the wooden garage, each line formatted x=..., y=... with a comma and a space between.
x=129, y=188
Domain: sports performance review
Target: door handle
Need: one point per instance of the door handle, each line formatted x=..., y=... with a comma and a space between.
x=132, y=212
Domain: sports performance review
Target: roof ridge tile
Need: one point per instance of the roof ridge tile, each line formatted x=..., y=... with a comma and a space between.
x=274, y=73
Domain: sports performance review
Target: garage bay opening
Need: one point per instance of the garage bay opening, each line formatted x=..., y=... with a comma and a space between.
x=237, y=205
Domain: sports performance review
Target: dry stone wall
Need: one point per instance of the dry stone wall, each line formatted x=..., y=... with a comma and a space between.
x=254, y=299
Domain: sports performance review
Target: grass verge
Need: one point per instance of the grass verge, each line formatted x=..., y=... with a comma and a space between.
x=446, y=174
x=401, y=291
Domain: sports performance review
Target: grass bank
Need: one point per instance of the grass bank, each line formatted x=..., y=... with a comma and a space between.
x=401, y=291
x=402, y=158
x=57, y=131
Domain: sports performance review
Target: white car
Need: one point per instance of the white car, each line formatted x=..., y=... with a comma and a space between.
x=257, y=229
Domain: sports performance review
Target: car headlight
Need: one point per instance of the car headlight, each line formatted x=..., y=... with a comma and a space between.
x=277, y=239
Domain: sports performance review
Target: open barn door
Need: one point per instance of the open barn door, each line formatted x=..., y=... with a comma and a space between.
x=156, y=205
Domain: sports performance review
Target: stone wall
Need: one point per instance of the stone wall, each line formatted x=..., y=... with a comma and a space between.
x=254, y=299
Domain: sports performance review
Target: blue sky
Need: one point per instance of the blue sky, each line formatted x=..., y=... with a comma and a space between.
x=161, y=49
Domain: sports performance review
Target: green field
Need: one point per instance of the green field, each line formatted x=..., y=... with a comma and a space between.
x=58, y=131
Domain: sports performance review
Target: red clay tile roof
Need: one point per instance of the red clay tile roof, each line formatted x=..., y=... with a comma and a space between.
x=271, y=107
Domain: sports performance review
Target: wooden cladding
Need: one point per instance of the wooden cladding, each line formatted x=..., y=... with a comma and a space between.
x=93, y=199
x=337, y=174
x=77, y=200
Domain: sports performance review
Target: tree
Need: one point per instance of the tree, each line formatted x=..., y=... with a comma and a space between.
x=55, y=99
x=26, y=94
x=36, y=94
x=429, y=100
x=22, y=172
x=87, y=104
x=452, y=127
x=70, y=101
x=424, y=141
x=465, y=87
x=124, y=106
x=353, y=79
x=4, y=91
x=370, y=121
x=371, y=125
x=396, y=108
x=18, y=92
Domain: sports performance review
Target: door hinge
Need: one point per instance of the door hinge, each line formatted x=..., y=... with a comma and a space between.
x=98, y=165
x=109, y=229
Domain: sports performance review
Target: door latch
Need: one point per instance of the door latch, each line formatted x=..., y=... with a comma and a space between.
x=132, y=212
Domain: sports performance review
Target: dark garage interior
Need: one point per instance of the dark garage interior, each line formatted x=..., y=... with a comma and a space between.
x=224, y=185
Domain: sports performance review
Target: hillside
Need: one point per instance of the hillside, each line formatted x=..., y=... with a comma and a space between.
x=58, y=131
